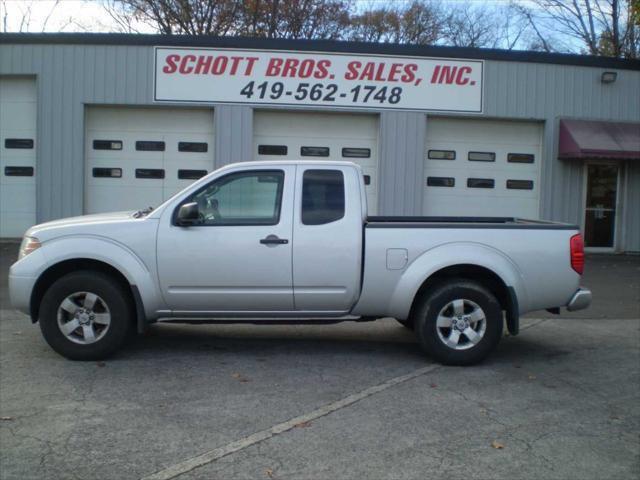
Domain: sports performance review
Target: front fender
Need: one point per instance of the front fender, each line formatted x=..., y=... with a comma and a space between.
x=449, y=255
x=138, y=273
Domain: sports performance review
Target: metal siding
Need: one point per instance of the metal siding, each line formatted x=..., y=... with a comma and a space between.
x=69, y=76
x=631, y=212
x=548, y=92
x=402, y=139
x=234, y=134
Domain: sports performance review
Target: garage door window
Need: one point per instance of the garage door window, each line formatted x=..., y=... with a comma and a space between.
x=107, y=144
x=520, y=184
x=149, y=146
x=314, y=151
x=21, y=143
x=480, y=183
x=322, y=196
x=520, y=158
x=196, y=147
x=351, y=152
x=441, y=182
x=441, y=155
x=482, y=157
x=272, y=149
x=247, y=198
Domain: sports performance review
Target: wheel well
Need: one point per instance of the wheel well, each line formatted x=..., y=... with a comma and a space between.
x=481, y=275
x=58, y=270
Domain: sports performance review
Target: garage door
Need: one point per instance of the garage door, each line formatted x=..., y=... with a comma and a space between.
x=140, y=157
x=321, y=136
x=17, y=155
x=482, y=168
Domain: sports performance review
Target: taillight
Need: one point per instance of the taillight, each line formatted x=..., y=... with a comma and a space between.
x=577, y=253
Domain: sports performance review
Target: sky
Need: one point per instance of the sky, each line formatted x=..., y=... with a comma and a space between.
x=90, y=15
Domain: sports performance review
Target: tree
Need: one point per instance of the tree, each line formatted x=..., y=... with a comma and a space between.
x=418, y=23
x=323, y=19
x=596, y=27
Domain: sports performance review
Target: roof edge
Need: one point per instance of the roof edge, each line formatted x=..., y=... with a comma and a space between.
x=318, y=45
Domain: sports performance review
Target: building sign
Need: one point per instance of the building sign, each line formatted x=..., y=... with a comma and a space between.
x=275, y=77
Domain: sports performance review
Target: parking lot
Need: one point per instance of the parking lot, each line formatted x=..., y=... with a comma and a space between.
x=355, y=400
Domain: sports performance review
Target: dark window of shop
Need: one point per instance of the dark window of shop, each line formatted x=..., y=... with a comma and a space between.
x=520, y=184
x=481, y=183
x=150, y=146
x=482, y=157
x=185, y=174
x=150, y=173
x=107, y=144
x=520, y=158
x=323, y=198
x=441, y=182
x=18, y=171
x=314, y=151
x=441, y=154
x=107, y=172
x=351, y=152
x=20, y=143
x=272, y=150
x=194, y=147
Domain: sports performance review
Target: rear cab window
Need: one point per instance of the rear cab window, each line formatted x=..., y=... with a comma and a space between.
x=323, y=196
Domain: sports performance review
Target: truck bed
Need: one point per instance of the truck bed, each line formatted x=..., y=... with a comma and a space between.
x=464, y=222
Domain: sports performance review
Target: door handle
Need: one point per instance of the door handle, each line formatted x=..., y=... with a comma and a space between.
x=273, y=240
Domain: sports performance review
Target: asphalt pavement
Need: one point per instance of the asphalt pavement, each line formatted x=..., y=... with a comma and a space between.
x=355, y=400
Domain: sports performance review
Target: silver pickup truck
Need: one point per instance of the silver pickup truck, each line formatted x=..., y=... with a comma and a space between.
x=268, y=242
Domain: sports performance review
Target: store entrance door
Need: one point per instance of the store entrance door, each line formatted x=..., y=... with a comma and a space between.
x=601, y=205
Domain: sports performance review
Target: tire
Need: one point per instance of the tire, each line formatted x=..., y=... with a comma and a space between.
x=97, y=305
x=408, y=324
x=456, y=344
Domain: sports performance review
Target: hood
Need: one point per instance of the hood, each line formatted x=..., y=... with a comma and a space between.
x=82, y=224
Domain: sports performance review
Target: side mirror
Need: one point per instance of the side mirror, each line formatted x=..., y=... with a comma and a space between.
x=188, y=214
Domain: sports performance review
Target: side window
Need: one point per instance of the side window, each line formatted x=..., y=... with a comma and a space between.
x=244, y=198
x=322, y=196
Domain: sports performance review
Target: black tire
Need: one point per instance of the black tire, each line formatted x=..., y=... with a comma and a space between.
x=436, y=300
x=111, y=293
x=408, y=324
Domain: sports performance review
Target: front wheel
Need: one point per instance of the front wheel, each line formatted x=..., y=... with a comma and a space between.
x=459, y=323
x=86, y=315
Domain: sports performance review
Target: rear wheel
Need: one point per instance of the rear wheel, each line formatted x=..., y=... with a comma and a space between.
x=86, y=315
x=459, y=323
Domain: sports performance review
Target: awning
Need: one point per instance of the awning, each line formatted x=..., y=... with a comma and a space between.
x=596, y=139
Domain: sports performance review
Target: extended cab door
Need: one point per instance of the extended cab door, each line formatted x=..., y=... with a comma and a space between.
x=328, y=236
x=238, y=258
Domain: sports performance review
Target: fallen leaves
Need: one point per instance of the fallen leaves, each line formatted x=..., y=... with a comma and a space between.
x=303, y=424
x=497, y=445
x=532, y=377
x=240, y=378
x=269, y=472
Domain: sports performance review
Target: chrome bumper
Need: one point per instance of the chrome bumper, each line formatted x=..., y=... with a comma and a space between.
x=580, y=300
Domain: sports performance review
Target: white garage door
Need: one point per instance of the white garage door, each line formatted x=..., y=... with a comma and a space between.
x=482, y=168
x=321, y=136
x=18, y=108
x=139, y=157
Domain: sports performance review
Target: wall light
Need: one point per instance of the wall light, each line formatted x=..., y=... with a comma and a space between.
x=609, y=77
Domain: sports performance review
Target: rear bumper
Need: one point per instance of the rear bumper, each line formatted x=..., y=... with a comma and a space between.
x=580, y=300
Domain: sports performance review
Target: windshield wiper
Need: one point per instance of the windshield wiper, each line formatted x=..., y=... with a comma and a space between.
x=143, y=213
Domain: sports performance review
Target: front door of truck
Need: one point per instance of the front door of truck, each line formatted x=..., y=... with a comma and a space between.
x=238, y=257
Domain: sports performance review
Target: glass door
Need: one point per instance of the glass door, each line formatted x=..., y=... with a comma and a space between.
x=600, y=207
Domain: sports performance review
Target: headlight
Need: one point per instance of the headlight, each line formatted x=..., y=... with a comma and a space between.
x=28, y=245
